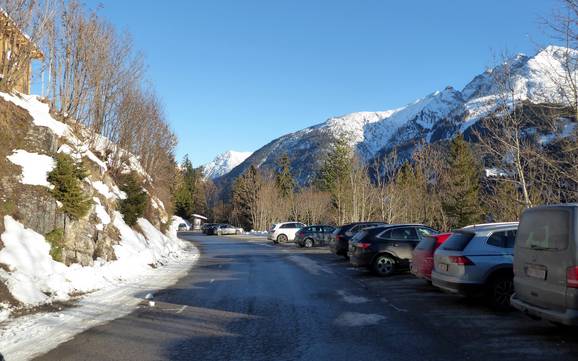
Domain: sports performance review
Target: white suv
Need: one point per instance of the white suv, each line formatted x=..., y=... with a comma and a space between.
x=284, y=232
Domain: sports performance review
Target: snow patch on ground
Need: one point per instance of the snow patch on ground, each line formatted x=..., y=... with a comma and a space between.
x=351, y=298
x=109, y=193
x=355, y=319
x=118, y=286
x=35, y=167
x=309, y=265
x=40, y=112
x=101, y=213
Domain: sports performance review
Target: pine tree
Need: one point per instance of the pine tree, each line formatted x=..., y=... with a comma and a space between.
x=461, y=201
x=333, y=177
x=66, y=178
x=244, y=197
x=284, y=180
x=134, y=205
x=336, y=167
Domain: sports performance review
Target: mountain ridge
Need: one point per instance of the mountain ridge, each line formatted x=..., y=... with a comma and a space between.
x=439, y=115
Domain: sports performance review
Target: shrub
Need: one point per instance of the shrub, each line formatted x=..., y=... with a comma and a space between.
x=56, y=240
x=133, y=207
x=66, y=177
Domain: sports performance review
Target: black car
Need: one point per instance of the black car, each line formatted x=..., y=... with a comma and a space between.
x=311, y=236
x=339, y=243
x=387, y=249
x=205, y=227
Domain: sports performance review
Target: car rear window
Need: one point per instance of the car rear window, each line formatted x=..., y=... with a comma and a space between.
x=458, y=241
x=547, y=229
x=426, y=244
x=358, y=236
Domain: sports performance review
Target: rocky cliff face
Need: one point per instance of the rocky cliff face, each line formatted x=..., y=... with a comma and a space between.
x=28, y=130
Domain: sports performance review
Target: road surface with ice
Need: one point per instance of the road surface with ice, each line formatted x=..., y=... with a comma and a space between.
x=249, y=300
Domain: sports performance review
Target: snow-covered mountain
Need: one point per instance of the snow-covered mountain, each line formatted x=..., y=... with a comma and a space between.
x=223, y=163
x=440, y=115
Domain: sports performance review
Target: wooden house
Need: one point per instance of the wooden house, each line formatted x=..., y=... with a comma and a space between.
x=16, y=45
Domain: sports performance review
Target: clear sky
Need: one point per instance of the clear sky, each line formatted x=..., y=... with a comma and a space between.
x=236, y=74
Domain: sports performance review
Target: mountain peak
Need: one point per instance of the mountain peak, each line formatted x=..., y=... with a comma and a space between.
x=224, y=163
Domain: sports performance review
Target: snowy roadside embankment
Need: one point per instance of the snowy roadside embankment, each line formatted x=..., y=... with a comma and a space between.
x=116, y=288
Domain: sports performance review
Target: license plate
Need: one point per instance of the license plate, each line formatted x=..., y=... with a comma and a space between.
x=444, y=267
x=536, y=272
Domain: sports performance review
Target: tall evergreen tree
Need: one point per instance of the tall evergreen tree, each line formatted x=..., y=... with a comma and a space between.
x=333, y=177
x=244, y=197
x=284, y=180
x=461, y=201
x=336, y=167
x=189, y=195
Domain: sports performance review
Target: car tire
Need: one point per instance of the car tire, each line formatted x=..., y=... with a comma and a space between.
x=282, y=238
x=384, y=265
x=501, y=289
x=308, y=243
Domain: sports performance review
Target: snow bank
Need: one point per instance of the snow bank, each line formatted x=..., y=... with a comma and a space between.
x=35, y=167
x=30, y=336
x=33, y=273
x=34, y=278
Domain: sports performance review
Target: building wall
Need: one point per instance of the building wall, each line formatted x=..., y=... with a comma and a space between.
x=9, y=46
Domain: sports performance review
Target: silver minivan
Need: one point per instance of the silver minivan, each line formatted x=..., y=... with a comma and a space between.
x=546, y=264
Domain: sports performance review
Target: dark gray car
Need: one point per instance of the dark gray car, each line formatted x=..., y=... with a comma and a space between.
x=545, y=264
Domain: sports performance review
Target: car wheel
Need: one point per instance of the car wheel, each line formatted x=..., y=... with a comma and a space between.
x=308, y=243
x=384, y=265
x=282, y=238
x=502, y=289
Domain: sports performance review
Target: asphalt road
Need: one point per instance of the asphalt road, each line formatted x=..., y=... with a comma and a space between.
x=249, y=300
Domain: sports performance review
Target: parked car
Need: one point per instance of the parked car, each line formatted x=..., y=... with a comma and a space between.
x=387, y=249
x=312, y=236
x=206, y=226
x=339, y=242
x=422, y=262
x=477, y=261
x=284, y=232
x=546, y=264
x=223, y=229
x=183, y=227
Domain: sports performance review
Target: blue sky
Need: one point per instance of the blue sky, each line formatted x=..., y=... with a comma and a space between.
x=235, y=74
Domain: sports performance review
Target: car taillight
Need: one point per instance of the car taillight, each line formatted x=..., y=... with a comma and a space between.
x=572, y=277
x=339, y=236
x=363, y=245
x=461, y=260
x=299, y=234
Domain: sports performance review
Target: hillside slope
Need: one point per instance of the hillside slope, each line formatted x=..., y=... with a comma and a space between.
x=96, y=249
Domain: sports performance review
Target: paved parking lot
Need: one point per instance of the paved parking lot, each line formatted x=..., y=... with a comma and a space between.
x=249, y=299
x=472, y=325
